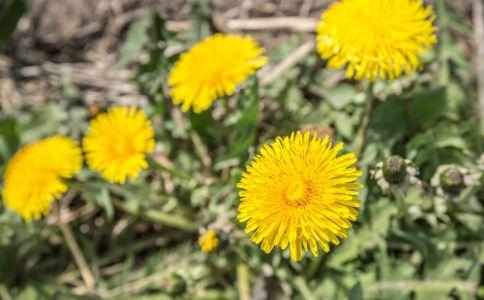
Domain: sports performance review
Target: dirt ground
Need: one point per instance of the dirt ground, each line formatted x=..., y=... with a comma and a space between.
x=75, y=42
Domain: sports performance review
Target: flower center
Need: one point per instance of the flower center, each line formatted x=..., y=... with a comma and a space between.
x=121, y=149
x=296, y=193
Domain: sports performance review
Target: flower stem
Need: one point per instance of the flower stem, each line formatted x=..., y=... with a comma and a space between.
x=76, y=251
x=243, y=284
x=303, y=288
x=361, y=135
x=156, y=216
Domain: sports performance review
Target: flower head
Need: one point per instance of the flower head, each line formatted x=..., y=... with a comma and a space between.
x=34, y=176
x=297, y=192
x=117, y=142
x=213, y=68
x=376, y=38
x=208, y=241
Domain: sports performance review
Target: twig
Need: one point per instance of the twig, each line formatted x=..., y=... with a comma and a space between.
x=162, y=164
x=277, y=23
x=76, y=251
x=113, y=256
x=287, y=63
x=478, y=9
x=255, y=24
x=201, y=150
x=114, y=86
x=428, y=285
x=166, y=269
x=4, y=294
x=362, y=133
x=303, y=288
x=243, y=284
x=306, y=7
x=156, y=216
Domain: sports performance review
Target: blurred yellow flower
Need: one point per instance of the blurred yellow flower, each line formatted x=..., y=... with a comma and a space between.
x=208, y=241
x=117, y=142
x=298, y=192
x=376, y=38
x=34, y=176
x=213, y=68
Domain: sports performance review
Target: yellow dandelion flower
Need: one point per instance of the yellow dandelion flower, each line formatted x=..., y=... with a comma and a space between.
x=117, y=142
x=297, y=192
x=34, y=176
x=213, y=68
x=208, y=241
x=376, y=38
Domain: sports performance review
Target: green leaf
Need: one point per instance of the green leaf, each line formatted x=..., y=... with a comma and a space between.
x=98, y=193
x=390, y=121
x=201, y=15
x=43, y=122
x=428, y=106
x=135, y=42
x=10, y=13
x=345, y=125
x=381, y=213
x=348, y=250
x=244, y=130
x=356, y=292
x=9, y=138
x=341, y=95
x=102, y=199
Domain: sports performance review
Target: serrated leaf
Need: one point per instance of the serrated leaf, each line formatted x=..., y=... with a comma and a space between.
x=428, y=106
x=135, y=42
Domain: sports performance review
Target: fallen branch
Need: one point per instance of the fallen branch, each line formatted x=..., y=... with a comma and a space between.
x=115, y=87
x=287, y=63
x=277, y=23
x=478, y=10
x=255, y=24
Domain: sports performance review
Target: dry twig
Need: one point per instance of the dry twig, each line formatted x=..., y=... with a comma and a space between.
x=287, y=63
x=478, y=9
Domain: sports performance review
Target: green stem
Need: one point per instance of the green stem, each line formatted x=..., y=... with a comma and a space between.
x=361, y=135
x=302, y=286
x=156, y=216
x=243, y=284
x=76, y=251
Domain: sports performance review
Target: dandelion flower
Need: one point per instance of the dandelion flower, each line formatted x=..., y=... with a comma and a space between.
x=34, y=176
x=213, y=68
x=117, y=142
x=208, y=241
x=376, y=38
x=298, y=192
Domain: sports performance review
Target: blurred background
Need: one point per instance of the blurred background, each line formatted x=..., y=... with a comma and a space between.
x=64, y=61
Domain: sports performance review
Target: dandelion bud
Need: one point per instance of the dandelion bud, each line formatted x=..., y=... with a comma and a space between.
x=394, y=169
x=452, y=180
x=395, y=173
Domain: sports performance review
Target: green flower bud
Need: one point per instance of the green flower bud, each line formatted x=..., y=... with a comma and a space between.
x=452, y=180
x=394, y=169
